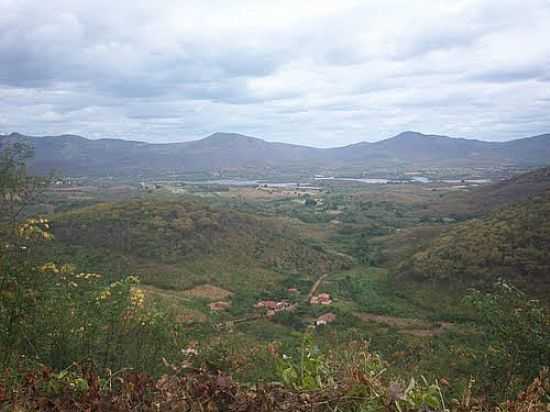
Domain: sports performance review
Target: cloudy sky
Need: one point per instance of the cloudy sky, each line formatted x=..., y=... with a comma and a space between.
x=317, y=72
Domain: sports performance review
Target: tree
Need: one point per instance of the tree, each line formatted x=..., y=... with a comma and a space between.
x=17, y=188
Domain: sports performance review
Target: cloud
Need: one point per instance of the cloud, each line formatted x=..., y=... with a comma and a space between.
x=320, y=73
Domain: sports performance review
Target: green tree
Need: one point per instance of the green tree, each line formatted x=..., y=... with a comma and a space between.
x=17, y=188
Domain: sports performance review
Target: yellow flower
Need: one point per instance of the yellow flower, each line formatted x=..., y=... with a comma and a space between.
x=104, y=295
x=49, y=267
x=137, y=297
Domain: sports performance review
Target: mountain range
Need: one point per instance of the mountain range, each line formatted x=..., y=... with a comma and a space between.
x=238, y=154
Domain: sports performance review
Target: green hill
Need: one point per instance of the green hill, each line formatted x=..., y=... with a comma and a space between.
x=179, y=244
x=480, y=200
x=511, y=242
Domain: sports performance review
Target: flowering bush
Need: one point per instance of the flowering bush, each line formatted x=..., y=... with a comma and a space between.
x=53, y=314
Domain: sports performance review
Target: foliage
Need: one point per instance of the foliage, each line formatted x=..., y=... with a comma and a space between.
x=17, y=188
x=54, y=314
x=517, y=331
x=170, y=234
x=359, y=384
x=512, y=242
x=310, y=371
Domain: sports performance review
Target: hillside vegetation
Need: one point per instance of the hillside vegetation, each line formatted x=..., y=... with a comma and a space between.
x=480, y=200
x=511, y=242
x=183, y=243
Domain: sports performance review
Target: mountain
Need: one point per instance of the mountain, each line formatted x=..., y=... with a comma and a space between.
x=75, y=155
x=432, y=150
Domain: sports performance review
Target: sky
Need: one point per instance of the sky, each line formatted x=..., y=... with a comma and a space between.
x=319, y=73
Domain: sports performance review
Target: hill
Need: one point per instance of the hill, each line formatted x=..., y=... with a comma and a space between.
x=186, y=243
x=511, y=242
x=244, y=155
x=480, y=200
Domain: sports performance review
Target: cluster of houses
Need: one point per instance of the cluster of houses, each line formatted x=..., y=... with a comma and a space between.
x=272, y=307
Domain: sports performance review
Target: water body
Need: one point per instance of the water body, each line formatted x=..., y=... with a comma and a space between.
x=377, y=181
x=241, y=182
x=223, y=182
x=361, y=180
x=420, y=179
x=470, y=181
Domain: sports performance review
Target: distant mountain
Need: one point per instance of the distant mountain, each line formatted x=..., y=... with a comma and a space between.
x=433, y=150
x=75, y=155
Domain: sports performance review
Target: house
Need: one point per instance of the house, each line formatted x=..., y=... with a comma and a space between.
x=274, y=307
x=321, y=299
x=266, y=304
x=325, y=319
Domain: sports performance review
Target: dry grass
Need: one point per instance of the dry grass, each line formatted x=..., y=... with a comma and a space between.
x=175, y=302
x=209, y=292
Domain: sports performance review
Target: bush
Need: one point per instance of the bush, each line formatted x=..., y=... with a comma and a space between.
x=517, y=331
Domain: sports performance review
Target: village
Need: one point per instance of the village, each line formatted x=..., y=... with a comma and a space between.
x=269, y=308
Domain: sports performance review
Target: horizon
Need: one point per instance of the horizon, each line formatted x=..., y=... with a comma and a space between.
x=322, y=76
x=144, y=140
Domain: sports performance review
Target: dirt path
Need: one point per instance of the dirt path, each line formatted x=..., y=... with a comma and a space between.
x=415, y=327
x=315, y=287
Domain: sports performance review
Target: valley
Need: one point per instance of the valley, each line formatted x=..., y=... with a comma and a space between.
x=240, y=273
x=208, y=252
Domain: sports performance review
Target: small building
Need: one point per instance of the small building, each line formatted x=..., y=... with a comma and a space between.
x=321, y=299
x=325, y=319
x=266, y=304
x=273, y=307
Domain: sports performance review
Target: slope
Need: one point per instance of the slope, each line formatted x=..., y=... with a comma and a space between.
x=479, y=200
x=186, y=243
x=511, y=242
